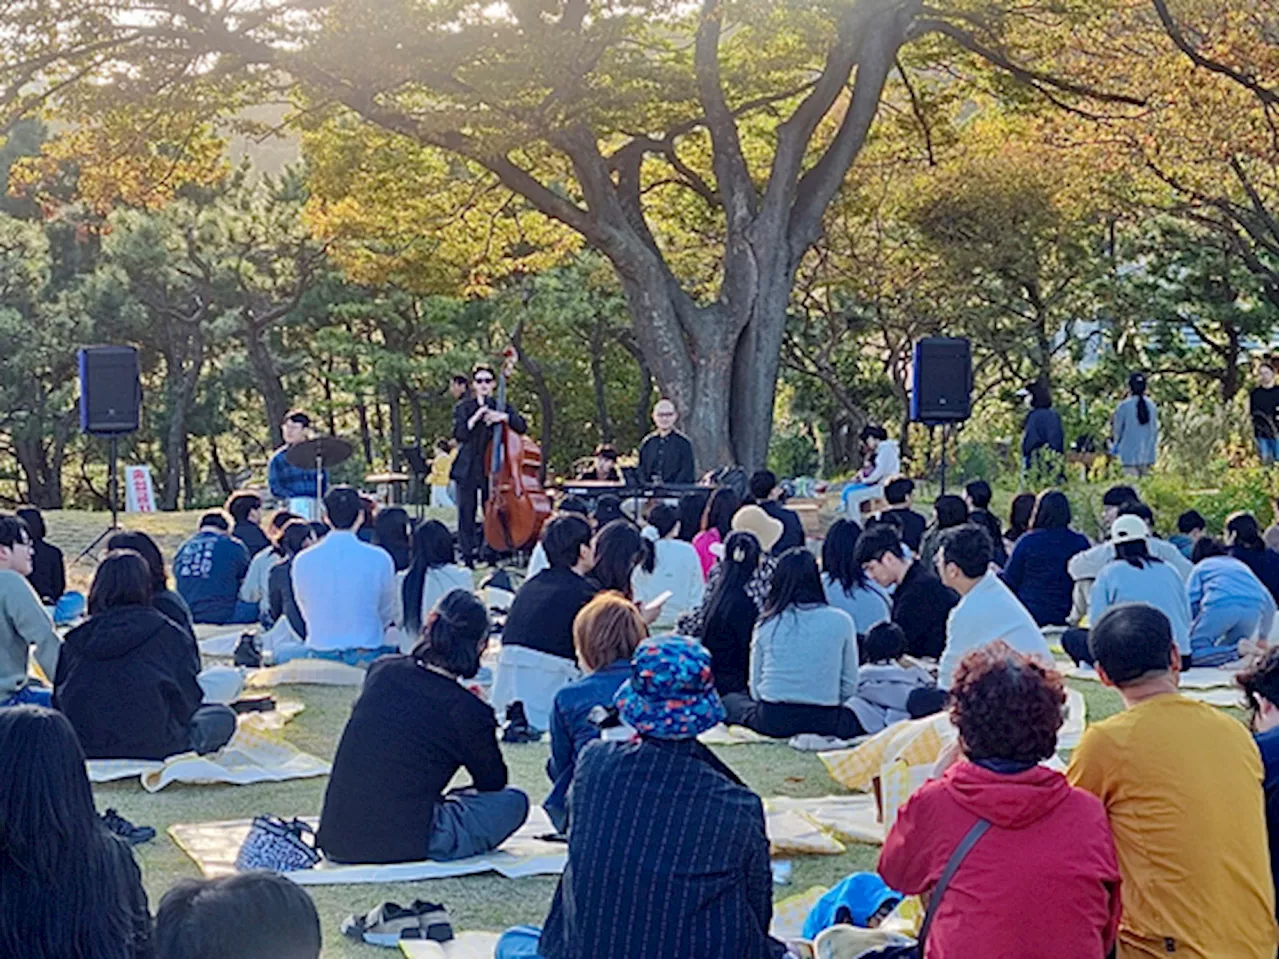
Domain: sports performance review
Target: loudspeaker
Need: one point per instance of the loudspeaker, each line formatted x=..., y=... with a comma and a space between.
x=110, y=389
x=942, y=380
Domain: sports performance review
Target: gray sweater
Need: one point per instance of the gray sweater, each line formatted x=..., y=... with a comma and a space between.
x=807, y=655
x=23, y=624
x=1134, y=443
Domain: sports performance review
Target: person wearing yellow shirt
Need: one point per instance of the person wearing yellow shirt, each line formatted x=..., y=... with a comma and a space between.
x=1182, y=784
x=438, y=478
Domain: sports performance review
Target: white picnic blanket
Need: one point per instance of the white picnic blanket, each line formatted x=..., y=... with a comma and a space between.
x=465, y=945
x=847, y=818
x=315, y=672
x=722, y=735
x=213, y=847
x=218, y=641
x=1215, y=685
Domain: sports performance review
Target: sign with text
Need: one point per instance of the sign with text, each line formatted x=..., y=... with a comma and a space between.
x=139, y=495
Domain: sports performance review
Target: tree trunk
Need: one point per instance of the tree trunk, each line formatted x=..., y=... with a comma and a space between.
x=219, y=471
x=545, y=400
x=188, y=475
x=596, y=347
x=415, y=400
x=42, y=489
x=645, y=393
x=1231, y=360
x=397, y=423
x=275, y=399
x=175, y=440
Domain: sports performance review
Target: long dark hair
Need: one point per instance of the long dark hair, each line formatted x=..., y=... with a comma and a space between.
x=795, y=583
x=723, y=504
x=1053, y=511
x=619, y=549
x=837, y=555
x=142, y=544
x=432, y=548
x=1020, y=511
x=691, y=507
x=1244, y=530
x=741, y=559
x=69, y=886
x=1135, y=553
x=123, y=579
x=1138, y=387
x=391, y=532
x=453, y=633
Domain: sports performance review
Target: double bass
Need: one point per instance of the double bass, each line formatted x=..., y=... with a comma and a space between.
x=517, y=505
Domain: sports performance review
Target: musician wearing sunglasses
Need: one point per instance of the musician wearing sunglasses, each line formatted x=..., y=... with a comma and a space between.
x=471, y=418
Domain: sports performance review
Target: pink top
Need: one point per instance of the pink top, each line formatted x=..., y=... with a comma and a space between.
x=703, y=542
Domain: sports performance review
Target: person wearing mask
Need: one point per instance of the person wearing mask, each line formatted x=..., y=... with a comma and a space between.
x=68, y=887
x=717, y=522
x=1168, y=768
x=163, y=598
x=1043, y=428
x=1135, y=429
x=1228, y=605
x=766, y=530
x=253, y=589
x=766, y=492
x=209, y=568
x=899, y=494
x=345, y=590
x=245, y=509
x=386, y=800
x=1190, y=531
x=1260, y=683
x=1041, y=881
x=845, y=584
x=606, y=633
x=921, y=604
x=295, y=485
x=948, y=512
x=1020, y=510
x=48, y=569
x=433, y=574
x=254, y=915
x=885, y=681
x=391, y=532
x=666, y=455
x=672, y=566
x=537, y=657
x=977, y=496
x=1264, y=399
x=1245, y=541
x=662, y=829
x=882, y=460
x=804, y=660
x=126, y=677
x=604, y=466
x=988, y=612
x=1037, y=567
x=24, y=625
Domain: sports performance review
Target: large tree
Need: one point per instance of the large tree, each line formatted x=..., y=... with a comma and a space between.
x=579, y=107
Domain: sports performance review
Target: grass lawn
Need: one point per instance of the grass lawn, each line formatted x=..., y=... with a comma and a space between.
x=475, y=902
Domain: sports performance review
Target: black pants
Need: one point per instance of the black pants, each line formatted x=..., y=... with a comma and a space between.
x=1075, y=643
x=926, y=701
x=469, y=491
x=784, y=720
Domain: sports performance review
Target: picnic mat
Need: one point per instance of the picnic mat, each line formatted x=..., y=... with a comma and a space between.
x=1208, y=684
x=219, y=640
x=465, y=945
x=314, y=672
x=213, y=847
x=847, y=818
x=722, y=735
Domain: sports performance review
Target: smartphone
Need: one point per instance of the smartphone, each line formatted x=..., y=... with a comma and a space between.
x=657, y=601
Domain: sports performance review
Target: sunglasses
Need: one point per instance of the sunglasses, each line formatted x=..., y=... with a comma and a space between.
x=484, y=379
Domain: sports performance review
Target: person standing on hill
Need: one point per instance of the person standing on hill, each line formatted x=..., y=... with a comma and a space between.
x=1043, y=430
x=1264, y=399
x=1135, y=429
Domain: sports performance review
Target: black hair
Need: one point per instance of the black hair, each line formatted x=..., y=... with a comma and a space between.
x=1190, y=521
x=761, y=484
x=13, y=531
x=297, y=416
x=451, y=639
x=483, y=368
x=563, y=539
x=574, y=504
x=460, y=378
x=969, y=547
x=1138, y=387
x=876, y=540
x=1131, y=640
x=34, y=520
x=838, y=555
x=70, y=889
x=608, y=508
x=275, y=527
x=391, y=532
x=741, y=559
x=432, y=548
x=1140, y=510
x=320, y=529
x=241, y=503
x=724, y=502
x=607, y=451
x=1206, y=548
x=1020, y=512
x=142, y=544
x=619, y=549
x=1052, y=510
x=979, y=493
x=898, y=489
x=252, y=915
x=214, y=520
x=294, y=536
x=1041, y=398
x=663, y=517
x=884, y=642
x=795, y=582
x=123, y=578
x=1262, y=679
x=1135, y=553
x=442, y=444
x=1244, y=527
x=1119, y=495
x=691, y=508
x=951, y=510
x=872, y=431
x=343, y=506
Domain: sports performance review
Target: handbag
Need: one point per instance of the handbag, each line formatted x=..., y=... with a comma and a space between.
x=277, y=845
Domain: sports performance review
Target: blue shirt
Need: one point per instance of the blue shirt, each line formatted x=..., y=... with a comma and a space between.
x=287, y=481
x=570, y=730
x=1037, y=572
x=1156, y=584
x=208, y=569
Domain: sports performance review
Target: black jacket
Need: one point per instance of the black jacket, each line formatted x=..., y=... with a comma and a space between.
x=913, y=525
x=792, y=529
x=468, y=466
x=668, y=459
x=541, y=615
x=252, y=536
x=127, y=682
x=921, y=605
x=280, y=598
x=48, y=573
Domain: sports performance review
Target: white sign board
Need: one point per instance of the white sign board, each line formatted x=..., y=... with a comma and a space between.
x=139, y=495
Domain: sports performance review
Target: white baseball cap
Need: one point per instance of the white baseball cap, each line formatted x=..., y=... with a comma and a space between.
x=1128, y=529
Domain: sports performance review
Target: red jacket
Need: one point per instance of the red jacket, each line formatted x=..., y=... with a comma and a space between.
x=1042, y=883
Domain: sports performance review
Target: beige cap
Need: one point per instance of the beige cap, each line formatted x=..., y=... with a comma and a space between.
x=754, y=520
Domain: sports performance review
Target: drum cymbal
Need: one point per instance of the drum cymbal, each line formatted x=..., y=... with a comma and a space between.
x=328, y=450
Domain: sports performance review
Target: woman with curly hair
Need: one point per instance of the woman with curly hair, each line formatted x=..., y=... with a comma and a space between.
x=1042, y=881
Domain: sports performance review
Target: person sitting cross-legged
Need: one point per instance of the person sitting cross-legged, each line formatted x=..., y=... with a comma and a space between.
x=208, y=569
x=345, y=590
x=1041, y=882
x=24, y=624
x=255, y=587
x=673, y=566
x=605, y=633
x=412, y=728
x=668, y=855
x=921, y=603
x=1182, y=784
x=162, y=597
x=251, y=915
x=885, y=681
x=765, y=490
x=978, y=496
x=1037, y=567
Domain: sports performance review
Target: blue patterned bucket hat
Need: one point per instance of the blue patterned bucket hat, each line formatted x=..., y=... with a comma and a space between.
x=671, y=693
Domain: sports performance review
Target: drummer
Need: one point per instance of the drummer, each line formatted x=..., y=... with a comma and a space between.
x=294, y=484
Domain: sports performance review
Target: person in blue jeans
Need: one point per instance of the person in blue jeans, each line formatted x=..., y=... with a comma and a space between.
x=1228, y=604
x=208, y=570
x=605, y=633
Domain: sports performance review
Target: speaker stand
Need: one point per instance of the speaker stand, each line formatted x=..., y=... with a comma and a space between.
x=113, y=493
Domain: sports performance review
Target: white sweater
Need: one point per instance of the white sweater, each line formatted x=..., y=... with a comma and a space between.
x=346, y=592
x=676, y=567
x=989, y=612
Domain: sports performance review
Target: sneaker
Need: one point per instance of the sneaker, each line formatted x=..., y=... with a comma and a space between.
x=389, y=923
x=248, y=652
x=133, y=835
x=518, y=729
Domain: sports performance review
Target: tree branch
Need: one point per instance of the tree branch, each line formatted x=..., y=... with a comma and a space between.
x=1268, y=97
x=916, y=109
x=732, y=177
